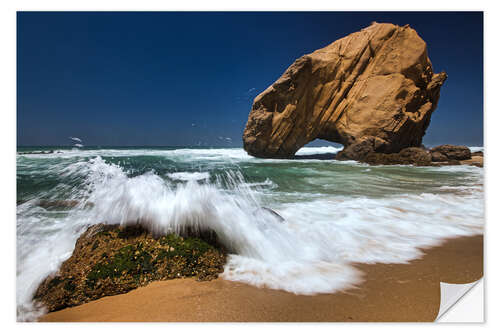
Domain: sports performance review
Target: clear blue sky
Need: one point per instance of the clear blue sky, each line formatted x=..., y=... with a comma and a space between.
x=188, y=78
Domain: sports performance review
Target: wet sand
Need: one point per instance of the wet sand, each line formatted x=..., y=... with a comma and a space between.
x=391, y=292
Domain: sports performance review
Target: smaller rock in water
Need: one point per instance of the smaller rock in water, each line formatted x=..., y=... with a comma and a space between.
x=451, y=152
x=359, y=150
x=412, y=155
x=418, y=156
x=438, y=157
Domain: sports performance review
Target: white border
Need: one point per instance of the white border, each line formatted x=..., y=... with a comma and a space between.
x=8, y=139
x=469, y=308
x=257, y=5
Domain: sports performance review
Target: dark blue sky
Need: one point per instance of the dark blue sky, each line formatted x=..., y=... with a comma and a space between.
x=188, y=78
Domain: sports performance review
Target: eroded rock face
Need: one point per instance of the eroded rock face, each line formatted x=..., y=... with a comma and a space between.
x=374, y=89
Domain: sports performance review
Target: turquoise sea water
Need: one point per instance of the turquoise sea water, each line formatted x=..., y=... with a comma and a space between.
x=336, y=213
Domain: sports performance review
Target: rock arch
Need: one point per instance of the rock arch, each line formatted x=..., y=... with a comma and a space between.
x=373, y=90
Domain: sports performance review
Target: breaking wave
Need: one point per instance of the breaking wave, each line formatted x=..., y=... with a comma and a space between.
x=311, y=252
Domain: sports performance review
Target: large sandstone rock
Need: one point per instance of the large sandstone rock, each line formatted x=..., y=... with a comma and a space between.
x=374, y=88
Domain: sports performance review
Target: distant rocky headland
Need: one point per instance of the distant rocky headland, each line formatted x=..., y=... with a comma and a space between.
x=373, y=91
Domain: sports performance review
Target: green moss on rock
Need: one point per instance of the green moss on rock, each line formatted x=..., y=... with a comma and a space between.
x=109, y=260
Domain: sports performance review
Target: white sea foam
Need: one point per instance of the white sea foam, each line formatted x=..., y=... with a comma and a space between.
x=318, y=150
x=265, y=184
x=44, y=242
x=265, y=250
x=186, y=176
x=312, y=249
x=185, y=154
x=476, y=149
x=311, y=252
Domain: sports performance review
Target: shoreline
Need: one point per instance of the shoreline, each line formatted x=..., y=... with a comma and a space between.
x=390, y=292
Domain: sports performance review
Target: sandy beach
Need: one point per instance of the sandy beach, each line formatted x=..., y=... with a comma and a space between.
x=391, y=292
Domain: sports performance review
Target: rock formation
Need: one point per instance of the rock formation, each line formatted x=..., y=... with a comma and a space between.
x=372, y=91
x=455, y=155
x=109, y=260
x=450, y=152
x=476, y=159
x=412, y=155
x=440, y=155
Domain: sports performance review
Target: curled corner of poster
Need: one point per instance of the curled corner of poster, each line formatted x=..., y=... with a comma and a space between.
x=461, y=303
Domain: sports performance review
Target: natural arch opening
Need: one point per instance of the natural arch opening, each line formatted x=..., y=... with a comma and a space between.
x=319, y=149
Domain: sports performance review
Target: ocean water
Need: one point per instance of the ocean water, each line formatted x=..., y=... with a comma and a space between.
x=336, y=213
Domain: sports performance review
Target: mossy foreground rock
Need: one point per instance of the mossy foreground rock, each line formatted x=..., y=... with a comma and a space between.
x=108, y=260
